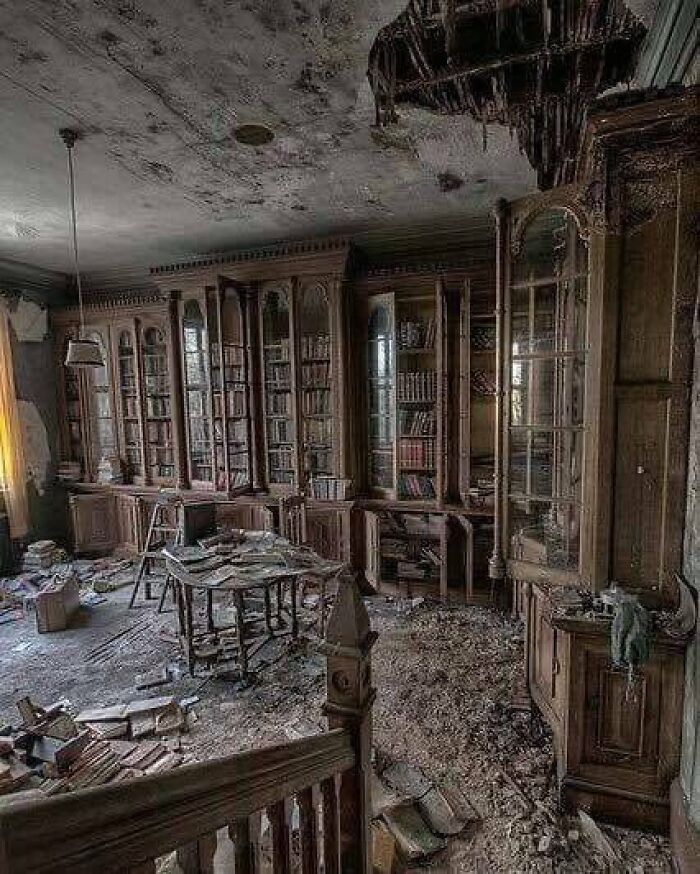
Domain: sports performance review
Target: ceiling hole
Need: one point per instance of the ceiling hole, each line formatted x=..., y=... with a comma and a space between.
x=253, y=134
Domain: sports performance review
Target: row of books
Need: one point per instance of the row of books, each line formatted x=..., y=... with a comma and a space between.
x=315, y=346
x=157, y=384
x=417, y=423
x=416, y=334
x=416, y=385
x=412, y=485
x=233, y=355
x=278, y=404
x=320, y=460
x=318, y=431
x=280, y=431
x=281, y=459
x=277, y=373
x=316, y=402
x=159, y=433
x=330, y=488
x=231, y=374
x=315, y=374
x=417, y=453
x=483, y=338
x=277, y=352
x=235, y=404
x=483, y=382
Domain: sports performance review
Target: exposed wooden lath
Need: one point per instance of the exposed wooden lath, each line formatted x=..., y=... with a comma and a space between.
x=533, y=65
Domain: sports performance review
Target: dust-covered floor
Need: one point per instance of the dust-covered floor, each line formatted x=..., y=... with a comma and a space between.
x=446, y=682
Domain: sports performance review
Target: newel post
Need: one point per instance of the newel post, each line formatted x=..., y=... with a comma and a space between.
x=350, y=696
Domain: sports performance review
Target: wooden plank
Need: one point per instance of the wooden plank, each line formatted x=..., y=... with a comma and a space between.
x=331, y=826
x=136, y=820
x=308, y=827
x=197, y=857
x=281, y=838
x=243, y=847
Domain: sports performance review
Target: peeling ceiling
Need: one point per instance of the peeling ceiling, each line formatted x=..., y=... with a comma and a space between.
x=159, y=87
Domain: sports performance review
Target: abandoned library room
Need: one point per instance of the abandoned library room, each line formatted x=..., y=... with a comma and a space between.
x=349, y=437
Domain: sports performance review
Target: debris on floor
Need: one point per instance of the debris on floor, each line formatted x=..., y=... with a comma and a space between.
x=53, y=587
x=53, y=751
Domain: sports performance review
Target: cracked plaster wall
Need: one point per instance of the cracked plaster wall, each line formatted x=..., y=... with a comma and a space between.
x=35, y=382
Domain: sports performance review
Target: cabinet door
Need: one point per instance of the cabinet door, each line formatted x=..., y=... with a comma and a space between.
x=381, y=377
x=317, y=381
x=127, y=393
x=128, y=519
x=279, y=397
x=198, y=397
x=325, y=533
x=546, y=675
x=73, y=420
x=372, y=549
x=232, y=426
x=464, y=388
x=98, y=384
x=94, y=524
x=159, y=449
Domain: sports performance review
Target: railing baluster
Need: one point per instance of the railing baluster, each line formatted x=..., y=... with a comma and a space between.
x=308, y=828
x=244, y=849
x=198, y=857
x=281, y=861
x=331, y=831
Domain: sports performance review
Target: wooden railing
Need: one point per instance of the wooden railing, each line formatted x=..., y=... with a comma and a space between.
x=304, y=804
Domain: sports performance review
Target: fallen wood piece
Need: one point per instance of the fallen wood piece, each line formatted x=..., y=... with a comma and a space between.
x=382, y=797
x=408, y=781
x=383, y=849
x=60, y=752
x=18, y=774
x=149, y=705
x=110, y=730
x=414, y=838
x=153, y=679
x=598, y=838
x=102, y=714
x=439, y=814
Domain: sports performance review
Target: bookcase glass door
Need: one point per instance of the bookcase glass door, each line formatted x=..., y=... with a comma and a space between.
x=548, y=306
x=381, y=385
x=279, y=410
x=159, y=450
x=416, y=397
x=75, y=447
x=196, y=379
x=102, y=434
x=232, y=407
x=127, y=386
x=316, y=383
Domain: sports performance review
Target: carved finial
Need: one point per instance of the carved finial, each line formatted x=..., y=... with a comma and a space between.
x=349, y=624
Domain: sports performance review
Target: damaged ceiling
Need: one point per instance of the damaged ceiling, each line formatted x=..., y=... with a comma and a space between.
x=163, y=90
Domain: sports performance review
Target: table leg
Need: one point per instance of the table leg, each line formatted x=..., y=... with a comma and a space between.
x=323, y=606
x=210, y=611
x=180, y=604
x=189, y=633
x=240, y=632
x=280, y=593
x=295, y=624
x=268, y=611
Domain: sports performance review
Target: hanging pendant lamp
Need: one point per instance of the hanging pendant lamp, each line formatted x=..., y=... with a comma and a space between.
x=81, y=352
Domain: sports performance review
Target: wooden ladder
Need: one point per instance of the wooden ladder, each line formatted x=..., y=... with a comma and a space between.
x=159, y=528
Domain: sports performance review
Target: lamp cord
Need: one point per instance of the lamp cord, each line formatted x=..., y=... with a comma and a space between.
x=71, y=179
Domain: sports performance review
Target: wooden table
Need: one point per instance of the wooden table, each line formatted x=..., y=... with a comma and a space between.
x=241, y=573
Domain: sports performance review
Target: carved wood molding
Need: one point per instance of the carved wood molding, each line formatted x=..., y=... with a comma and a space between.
x=301, y=248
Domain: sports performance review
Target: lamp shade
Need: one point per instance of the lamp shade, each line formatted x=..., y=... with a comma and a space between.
x=84, y=353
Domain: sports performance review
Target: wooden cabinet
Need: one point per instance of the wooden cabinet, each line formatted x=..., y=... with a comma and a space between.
x=598, y=287
x=617, y=741
x=93, y=519
x=303, y=384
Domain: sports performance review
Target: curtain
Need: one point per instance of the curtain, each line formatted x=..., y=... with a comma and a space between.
x=13, y=476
